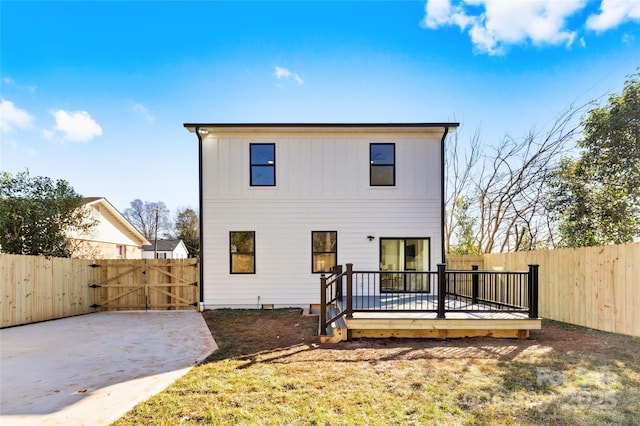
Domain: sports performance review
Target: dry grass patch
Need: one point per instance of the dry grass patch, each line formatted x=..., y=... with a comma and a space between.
x=270, y=369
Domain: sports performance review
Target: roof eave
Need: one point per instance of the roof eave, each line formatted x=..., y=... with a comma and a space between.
x=327, y=126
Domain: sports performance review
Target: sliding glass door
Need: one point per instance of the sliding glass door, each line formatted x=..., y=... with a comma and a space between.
x=404, y=255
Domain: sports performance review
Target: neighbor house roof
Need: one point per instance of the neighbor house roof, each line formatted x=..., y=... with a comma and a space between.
x=117, y=215
x=163, y=245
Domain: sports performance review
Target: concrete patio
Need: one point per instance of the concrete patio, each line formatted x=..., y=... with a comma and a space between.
x=92, y=369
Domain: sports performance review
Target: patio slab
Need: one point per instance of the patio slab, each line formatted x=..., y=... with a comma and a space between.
x=92, y=369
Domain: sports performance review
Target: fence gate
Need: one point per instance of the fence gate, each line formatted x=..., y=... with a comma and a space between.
x=149, y=284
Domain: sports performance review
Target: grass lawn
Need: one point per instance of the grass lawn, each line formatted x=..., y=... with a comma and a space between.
x=271, y=370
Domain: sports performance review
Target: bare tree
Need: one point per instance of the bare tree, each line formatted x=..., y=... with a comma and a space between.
x=507, y=188
x=150, y=218
x=460, y=161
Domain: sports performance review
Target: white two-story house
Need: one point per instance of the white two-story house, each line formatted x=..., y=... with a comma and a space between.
x=282, y=203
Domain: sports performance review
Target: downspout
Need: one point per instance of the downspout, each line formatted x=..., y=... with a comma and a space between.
x=442, y=190
x=200, y=220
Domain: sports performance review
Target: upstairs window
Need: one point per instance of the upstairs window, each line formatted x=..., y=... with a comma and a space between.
x=382, y=166
x=242, y=247
x=325, y=250
x=263, y=164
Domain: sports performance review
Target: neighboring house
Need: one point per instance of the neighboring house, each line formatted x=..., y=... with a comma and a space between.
x=165, y=249
x=282, y=203
x=112, y=238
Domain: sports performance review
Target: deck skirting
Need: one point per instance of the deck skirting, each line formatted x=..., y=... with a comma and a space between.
x=441, y=328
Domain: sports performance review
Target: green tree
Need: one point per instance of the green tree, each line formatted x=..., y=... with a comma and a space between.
x=464, y=234
x=188, y=230
x=37, y=214
x=596, y=197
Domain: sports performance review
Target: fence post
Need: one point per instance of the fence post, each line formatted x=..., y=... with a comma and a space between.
x=533, y=291
x=442, y=289
x=349, y=290
x=474, y=285
x=323, y=305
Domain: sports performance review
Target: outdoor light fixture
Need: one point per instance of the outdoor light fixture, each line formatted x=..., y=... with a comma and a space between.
x=203, y=131
x=370, y=237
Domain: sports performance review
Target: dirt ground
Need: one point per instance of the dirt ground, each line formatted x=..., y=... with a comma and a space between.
x=271, y=369
x=255, y=332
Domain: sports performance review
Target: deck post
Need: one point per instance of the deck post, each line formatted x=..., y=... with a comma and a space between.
x=338, y=271
x=474, y=285
x=442, y=289
x=349, y=290
x=533, y=290
x=323, y=305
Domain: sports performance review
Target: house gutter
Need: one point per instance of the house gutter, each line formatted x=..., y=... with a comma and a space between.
x=200, y=221
x=442, y=189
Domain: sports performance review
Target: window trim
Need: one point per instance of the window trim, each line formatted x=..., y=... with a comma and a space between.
x=372, y=166
x=313, y=253
x=231, y=253
x=251, y=164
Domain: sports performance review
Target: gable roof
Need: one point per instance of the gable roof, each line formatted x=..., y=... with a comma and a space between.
x=90, y=201
x=163, y=245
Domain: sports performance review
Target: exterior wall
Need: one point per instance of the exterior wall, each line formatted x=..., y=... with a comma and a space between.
x=180, y=252
x=322, y=185
x=85, y=249
x=150, y=254
x=102, y=241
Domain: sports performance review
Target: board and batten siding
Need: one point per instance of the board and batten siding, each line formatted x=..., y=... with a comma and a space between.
x=322, y=184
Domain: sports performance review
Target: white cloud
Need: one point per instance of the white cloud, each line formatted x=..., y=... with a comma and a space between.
x=48, y=134
x=76, y=126
x=12, y=117
x=281, y=73
x=494, y=24
x=613, y=13
x=138, y=108
x=11, y=82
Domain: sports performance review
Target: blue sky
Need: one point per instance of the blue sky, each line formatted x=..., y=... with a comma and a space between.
x=96, y=93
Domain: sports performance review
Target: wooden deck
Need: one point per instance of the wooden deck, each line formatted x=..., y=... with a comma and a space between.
x=458, y=324
x=468, y=304
x=478, y=321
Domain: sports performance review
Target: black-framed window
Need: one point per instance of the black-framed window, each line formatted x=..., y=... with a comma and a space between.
x=263, y=164
x=324, y=248
x=242, y=251
x=382, y=164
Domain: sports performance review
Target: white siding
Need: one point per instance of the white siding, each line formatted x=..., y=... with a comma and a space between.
x=322, y=185
x=109, y=229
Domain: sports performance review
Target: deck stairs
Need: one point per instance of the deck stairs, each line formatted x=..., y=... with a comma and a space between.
x=336, y=331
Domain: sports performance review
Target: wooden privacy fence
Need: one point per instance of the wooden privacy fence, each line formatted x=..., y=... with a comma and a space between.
x=35, y=288
x=596, y=287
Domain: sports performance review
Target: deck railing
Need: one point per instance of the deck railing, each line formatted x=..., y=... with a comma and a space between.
x=441, y=292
